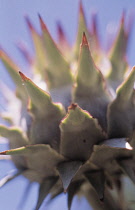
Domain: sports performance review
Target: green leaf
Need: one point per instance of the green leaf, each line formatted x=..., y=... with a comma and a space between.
x=90, y=91
x=92, y=197
x=62, y=40
x=16, y=139
x=55, y=191
x=73, y=189
x=97, y=180
x=86, y=167
x=79, y=132
x=31, y=174
x=44, y=190
x=46, y=115
x=105, y=157
x=57, y=69
x=14, y=135
x=41, y=158
x=13, y=70
x=40, y=58
x=94, y=36
x=118, y=54
x=82, y=27
x=121, y=112
x=40, y=99
x=67, y=171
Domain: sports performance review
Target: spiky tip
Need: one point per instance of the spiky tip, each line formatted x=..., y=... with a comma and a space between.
x=29, y=23
x=81, y=8
x=72, y=107
x=43, y=26
x=5, y=152
x=84, y=40
x=60, y=31
x=123, y=17
x=24, y=78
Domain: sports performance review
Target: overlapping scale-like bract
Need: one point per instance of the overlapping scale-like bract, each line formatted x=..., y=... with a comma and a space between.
x=77, y=134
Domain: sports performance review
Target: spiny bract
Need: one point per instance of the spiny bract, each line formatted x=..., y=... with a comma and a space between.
x=78, y=135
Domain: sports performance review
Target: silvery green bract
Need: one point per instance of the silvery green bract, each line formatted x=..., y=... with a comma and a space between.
x=77, y=135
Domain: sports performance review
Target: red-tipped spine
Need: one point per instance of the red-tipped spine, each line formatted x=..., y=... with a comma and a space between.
x=81, y=8
x=84, y=40
x=24, y=78
x=72, y=106
x=61, y=35
x=123, y=17
x=29, y=23
x=4, y=153
x=43, y=26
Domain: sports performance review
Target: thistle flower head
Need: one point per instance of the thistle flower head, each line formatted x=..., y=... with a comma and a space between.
x=73, y=135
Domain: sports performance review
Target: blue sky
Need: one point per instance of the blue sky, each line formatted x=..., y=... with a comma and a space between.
x=13, y=29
